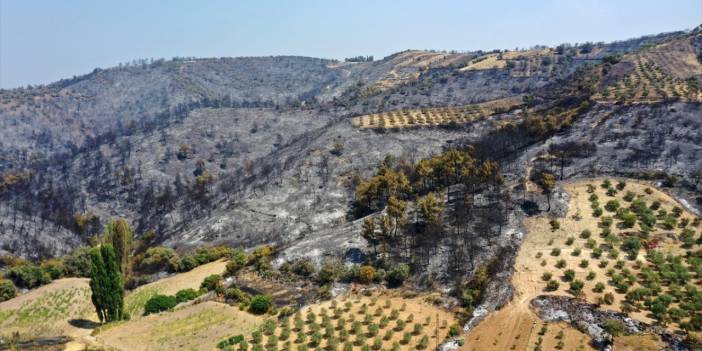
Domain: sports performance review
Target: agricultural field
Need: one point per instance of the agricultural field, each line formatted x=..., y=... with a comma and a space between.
x=520, y=63
x=593, y=256
x=383, y=320
x=195, y=327
x=134, y=302
x=669, y=70
x=598, y=252
x=435, y=116
x=58, y=308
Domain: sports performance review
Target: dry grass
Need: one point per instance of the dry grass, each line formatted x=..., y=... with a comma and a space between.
x=195, y=327
x=434, y=116
x=134, y=302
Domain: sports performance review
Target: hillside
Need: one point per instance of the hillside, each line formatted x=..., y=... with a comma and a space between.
x=426, y=179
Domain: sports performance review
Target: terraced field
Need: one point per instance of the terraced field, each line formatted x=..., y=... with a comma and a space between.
x=669, y=70
x=435, y=116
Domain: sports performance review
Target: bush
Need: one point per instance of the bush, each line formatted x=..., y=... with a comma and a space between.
x=186, y=295
x=238, y=261
x=261, y=304
x=555, y=225
x=158, y=258
x=28, y=276
x=629, y=196
x=366, y=274
x=576, y=287
x=552, y=285
x=585, y=234
x=54, y=267
x=398, y=275
x=546, y=276
x=569, y=241
x=212, y=283
x=159, y=303
x=614, y=327
x=599, y=287
x=597, y=212
x=569, y=274
x=235, y=294
x=7, y=290
x=612, y=205
x=555, y=251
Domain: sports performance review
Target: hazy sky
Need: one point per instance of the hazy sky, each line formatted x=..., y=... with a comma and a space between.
x=43, y=41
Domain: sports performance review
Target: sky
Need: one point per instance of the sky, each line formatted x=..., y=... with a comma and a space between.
x=44, y=41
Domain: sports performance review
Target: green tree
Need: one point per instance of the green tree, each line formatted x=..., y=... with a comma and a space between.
x=368, y=232
x=119, y=235
x=106, y=284
x=396, y=210
x=430, y=208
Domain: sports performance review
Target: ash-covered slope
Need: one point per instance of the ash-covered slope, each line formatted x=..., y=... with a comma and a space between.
x=251, y=150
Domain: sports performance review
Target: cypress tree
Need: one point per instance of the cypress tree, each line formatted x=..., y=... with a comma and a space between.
x=106, y=284
x=119, y=235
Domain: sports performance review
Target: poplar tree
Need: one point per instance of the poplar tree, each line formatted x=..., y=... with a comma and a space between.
x=106, y=284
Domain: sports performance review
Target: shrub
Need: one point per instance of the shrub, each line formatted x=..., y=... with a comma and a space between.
x=585, y=234
x=555, y=225
x=238, y=261
x=555, y=251
x=576, y=251
x=546, y=276
x=7, y=290
x=159, y=258
x=599, y=287
x=186, y=295
x=561, y=264
x=54, y=267
x=398, y=275
x=552, y=285
x=608, y=298
x=620, y=185
x=569, y=241
x=261, y=304
x=159, y=303
x=28, y=276
x=423, y=343
x=612, y=205
x=591, y=275
x=597, y=212
x=212, y=283
x=569, y=274
x=614, y=327
x=366, y=274
x=584, y=263
x=235, y=294
x=576, y=287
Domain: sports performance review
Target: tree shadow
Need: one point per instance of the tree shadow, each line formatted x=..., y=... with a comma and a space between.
x=83, y=323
